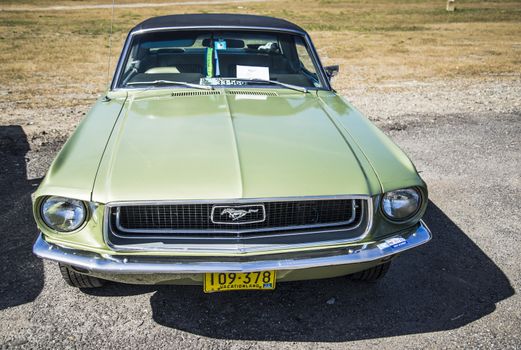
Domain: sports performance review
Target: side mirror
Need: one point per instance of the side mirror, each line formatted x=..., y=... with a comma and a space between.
x=332, y=71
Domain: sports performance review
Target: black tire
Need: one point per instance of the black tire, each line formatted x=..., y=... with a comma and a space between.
x=373, y=274
x=78, y=280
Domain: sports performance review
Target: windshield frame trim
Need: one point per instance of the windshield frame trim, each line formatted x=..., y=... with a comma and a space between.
x=122, y=58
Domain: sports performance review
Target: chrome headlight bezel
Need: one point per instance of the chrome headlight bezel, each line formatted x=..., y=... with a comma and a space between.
x=415, y=194
x=80, y=209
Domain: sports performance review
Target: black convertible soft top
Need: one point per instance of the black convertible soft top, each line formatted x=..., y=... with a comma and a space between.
x=217, y=20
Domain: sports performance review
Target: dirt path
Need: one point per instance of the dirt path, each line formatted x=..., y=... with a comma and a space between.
x=136, y=5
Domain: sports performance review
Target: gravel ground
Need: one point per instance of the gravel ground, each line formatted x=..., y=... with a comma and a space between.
x=457, y=291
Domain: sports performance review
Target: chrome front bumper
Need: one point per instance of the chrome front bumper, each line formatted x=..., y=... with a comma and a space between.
x=132, y=264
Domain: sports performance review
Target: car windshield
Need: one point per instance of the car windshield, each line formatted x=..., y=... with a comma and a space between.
x=213, y=58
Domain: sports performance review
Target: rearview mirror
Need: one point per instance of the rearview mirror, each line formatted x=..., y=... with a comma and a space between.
x=332, y=71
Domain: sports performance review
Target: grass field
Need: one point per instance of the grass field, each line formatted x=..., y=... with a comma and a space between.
x=48, y=55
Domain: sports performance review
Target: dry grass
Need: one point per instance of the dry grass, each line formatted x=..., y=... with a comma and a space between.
x=48, y=55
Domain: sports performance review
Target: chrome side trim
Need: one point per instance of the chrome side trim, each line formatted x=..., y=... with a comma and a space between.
x=355, y=254
x=242, y=247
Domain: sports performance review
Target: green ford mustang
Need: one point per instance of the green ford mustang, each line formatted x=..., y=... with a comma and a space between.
x=221, y=156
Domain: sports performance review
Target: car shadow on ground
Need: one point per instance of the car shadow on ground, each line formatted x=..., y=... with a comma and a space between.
x=443, y=285
x=21, y=273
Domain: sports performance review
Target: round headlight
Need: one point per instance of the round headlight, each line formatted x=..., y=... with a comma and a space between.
x=63, y=214
x=401, y=204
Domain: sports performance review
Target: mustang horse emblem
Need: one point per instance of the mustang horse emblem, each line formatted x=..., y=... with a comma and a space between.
x=236, y=214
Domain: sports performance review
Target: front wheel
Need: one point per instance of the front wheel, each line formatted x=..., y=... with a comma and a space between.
x=373, y=274
x=78, y=280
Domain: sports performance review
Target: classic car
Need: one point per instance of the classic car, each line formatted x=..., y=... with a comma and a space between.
x=221, y=156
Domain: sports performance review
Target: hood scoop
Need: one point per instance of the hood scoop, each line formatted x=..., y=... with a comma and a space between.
x=252, y=92
x=247, y=92
x=195, y=93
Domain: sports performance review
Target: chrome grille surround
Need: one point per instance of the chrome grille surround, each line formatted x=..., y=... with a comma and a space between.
x=207, y=209
x=235, y=246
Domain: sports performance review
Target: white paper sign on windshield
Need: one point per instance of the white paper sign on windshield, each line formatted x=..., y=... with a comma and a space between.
x=253, y=72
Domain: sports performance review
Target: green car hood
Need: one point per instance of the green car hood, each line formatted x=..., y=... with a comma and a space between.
x=73, y=171
x=221, y=145
x=392, y=166
x=152, y=145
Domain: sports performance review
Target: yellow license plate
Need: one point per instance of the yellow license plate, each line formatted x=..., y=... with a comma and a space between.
x=221, y=281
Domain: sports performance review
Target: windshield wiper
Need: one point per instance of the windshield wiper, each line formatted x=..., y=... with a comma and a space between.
x=171, y=82
x=289, y=86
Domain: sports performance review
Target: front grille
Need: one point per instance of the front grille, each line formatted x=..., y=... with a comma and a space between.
x=227, y=219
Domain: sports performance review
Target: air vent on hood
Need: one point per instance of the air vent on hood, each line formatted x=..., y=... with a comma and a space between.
x=195, y=93
x=252, y=92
